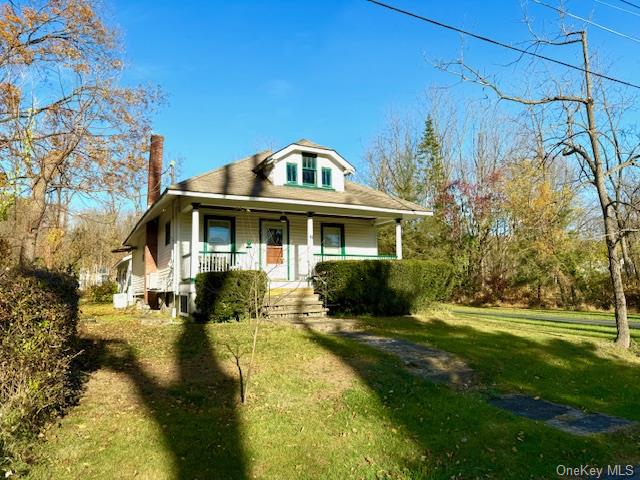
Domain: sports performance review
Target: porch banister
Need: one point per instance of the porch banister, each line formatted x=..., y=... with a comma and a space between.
x=399, y=238
x=309, y=243
x=195, y=239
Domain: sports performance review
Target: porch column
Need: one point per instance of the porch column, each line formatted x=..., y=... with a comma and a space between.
x=195, y=238
x=399, y=238
x=309, y=243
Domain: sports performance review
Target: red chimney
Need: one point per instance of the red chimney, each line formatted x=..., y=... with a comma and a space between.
x=155, y=169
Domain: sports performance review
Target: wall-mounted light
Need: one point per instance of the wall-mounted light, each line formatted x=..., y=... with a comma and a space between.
x=283, y=218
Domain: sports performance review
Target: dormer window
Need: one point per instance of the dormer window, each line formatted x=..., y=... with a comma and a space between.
x=326, y=177
x=292, y=173
x=309, y=169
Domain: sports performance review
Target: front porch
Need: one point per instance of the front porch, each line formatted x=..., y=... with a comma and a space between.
x=286, y=246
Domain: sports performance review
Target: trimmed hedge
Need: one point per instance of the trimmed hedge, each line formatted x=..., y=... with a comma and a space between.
x=383, y=287
x=102, y=293
x=38, y=321
x=225, y=296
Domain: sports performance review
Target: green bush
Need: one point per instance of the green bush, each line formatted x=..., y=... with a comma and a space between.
x=102, y=293
x=38, y=320
x=383, y=287
x=225, y=296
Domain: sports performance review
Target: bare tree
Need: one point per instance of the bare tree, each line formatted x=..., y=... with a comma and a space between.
x=579, y=136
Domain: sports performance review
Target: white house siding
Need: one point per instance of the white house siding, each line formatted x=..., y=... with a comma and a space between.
x=137, y=269
x=360, y=236
x=164, y=259
x=278, y=174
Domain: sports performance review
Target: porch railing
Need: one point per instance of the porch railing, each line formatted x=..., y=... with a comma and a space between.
x=324, y=257
x=222, y=261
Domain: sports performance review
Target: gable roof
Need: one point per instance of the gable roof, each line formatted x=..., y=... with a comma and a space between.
x=242, y=178
x=307, y=145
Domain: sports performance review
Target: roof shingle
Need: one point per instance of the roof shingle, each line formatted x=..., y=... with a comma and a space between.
x=239, y=178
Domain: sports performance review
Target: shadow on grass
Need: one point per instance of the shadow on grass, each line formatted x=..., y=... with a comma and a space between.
x=460, y=434
x=559, y=370
x=196, y=413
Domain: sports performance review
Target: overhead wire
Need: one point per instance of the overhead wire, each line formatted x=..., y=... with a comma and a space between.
x=502, y=44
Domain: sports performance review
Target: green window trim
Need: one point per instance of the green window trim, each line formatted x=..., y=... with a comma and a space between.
x=309, y=170
x=326, y=177
x=232, y=228
x=342, y=239
x=292, y=173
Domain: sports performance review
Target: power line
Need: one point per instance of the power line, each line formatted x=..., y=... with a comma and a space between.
x=569, y=14
x=618, y=8
x=501, y=44
x=631, y=4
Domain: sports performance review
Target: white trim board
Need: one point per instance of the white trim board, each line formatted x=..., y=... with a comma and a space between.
x=309, y=203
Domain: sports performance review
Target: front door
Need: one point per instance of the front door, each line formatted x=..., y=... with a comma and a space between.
x=275, y=249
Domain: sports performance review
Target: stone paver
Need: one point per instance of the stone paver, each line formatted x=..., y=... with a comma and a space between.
x=562, y=417
x=443, y=367
x=435, y=365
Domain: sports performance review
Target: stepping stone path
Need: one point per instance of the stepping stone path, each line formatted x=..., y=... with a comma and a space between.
x=562, y=417
x=443, y=367
x=435, y=365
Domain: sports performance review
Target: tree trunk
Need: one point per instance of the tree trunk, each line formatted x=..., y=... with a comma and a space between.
x=36, y=212
x=623, y=338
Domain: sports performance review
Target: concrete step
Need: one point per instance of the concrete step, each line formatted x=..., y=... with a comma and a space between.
x=290, y=315
x=294, y=306
x=296, y=300
x=297, y=309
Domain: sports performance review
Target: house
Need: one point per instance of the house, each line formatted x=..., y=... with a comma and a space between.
x=280, y=211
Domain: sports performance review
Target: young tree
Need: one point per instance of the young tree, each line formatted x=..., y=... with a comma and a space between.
x=66, y=125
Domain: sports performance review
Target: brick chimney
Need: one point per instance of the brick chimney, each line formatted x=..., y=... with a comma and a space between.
x=155, y=169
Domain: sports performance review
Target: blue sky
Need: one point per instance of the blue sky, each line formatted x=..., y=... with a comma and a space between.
x=243, y=75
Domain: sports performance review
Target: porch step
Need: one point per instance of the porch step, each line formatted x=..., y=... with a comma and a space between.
x=285, y=303
x=295, y=313
x=291, y=300
x=290, y=292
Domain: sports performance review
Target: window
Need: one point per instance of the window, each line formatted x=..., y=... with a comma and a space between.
x=308, y=169
x=332, y=239
x=219, y=235
x=184, y=304
x=292, y=173
x=167, y=233
x=326, y=177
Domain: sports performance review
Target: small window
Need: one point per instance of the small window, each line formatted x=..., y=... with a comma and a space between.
x=184, y=304
x=292, y=173
x=308, y=169
x=326, y=177
x=167, y=233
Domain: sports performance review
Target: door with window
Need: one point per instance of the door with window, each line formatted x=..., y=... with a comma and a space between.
x=332, y=240
x=275, y=250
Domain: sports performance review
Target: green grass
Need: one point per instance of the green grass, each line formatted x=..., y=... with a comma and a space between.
x=572, y=314
x=162, y=402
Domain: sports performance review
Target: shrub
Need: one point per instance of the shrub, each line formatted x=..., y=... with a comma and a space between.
x=384, y=287
x=224, y=296
x=102, y=293
x=38, y=320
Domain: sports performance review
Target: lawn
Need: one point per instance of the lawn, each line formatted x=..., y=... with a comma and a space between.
x=161, y=401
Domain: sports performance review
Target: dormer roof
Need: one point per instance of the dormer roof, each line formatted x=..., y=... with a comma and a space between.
x=304, y=145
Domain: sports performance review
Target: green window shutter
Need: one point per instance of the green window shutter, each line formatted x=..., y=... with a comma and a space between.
x=292, y=173
x=326, y=177
x=308, y=169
